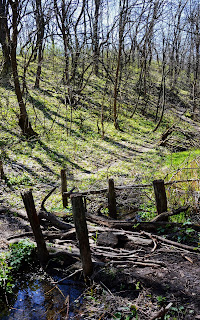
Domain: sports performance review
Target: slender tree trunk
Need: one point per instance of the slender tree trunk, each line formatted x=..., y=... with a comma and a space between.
x=116, y=87
x=39, y=67
x=4, y=41
x=24, y=123
x=96, y=38
x=196, y=72
x=40, y=37
x=122, y=22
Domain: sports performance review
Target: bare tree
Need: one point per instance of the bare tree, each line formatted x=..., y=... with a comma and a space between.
x=4, y=41
x=95, y=38
x=40, y=23
x=123, y=12
x=24, y=122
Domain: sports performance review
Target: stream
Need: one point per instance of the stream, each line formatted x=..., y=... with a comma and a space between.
x=42, y=300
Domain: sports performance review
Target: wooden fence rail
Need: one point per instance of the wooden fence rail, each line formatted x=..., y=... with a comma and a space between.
x=158, y=186
x=133, y=186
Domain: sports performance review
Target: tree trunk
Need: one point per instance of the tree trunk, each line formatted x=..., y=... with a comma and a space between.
x=4, y=41
x=96, y=38
x=24, y=122
x=40, y=37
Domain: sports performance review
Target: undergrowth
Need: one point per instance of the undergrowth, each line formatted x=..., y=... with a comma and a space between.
x=20, y=255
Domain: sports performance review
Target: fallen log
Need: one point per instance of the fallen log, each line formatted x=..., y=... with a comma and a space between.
x=116, y=224
x=43, y=214
x=135, y=225
x=49, y=235
x=164, y=215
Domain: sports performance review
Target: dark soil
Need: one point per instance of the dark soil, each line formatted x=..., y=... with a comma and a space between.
x=148, y=289
x=131, y=292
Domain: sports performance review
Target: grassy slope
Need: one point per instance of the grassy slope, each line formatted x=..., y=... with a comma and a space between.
x=127, y=155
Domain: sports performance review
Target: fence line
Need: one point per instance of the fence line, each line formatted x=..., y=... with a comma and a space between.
x=157, y=185
x=136, y=186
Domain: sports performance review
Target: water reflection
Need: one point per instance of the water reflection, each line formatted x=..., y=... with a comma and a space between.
x=41, y=300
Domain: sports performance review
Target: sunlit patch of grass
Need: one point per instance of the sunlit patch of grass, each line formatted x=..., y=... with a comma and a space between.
x=68, y=136
x=181, y=158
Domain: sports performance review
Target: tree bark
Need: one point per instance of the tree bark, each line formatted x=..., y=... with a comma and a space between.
x=96, y=38
x=43, y=254
x=24, y=122
x=160, y=196
x=40, y=37
x=4, y=41
x=82, y=234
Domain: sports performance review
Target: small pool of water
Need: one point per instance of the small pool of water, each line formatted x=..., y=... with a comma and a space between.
x=42, y=300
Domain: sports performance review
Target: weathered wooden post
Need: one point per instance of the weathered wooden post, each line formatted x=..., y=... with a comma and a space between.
x=160, y=196
x=43, y=254
x=64, y=187
x=1, y=170
x=82, y=234
x=112, y=209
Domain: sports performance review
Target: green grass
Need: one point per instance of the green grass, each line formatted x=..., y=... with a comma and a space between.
x=124, y=155
x=179, y=158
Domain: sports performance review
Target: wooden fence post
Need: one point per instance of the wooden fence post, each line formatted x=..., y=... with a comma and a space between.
x=43, y=254
x=64, y=187
x=112, y=199
x=2, y=176
x=160, y=196
x=82, y=234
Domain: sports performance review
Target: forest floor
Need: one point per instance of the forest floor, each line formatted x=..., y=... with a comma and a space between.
x=127, y=291
x=145, y=292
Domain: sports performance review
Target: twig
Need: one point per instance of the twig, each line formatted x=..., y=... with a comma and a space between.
x=187, y=258
x=144, y=264
x=47, y=196
x=67, y=303
x=155, y=244
x=162, y=312
x=108, y=290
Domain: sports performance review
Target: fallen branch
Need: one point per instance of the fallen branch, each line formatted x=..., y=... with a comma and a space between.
x=20, y=235
x=70, y=235
x=135, y=225
x=139, y=264
x=162, y=216
x=173, y=243
x=47, y=196
x=116, y=224
x=43, y=214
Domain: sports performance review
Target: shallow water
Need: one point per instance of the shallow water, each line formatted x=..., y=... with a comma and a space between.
x=42, y=300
